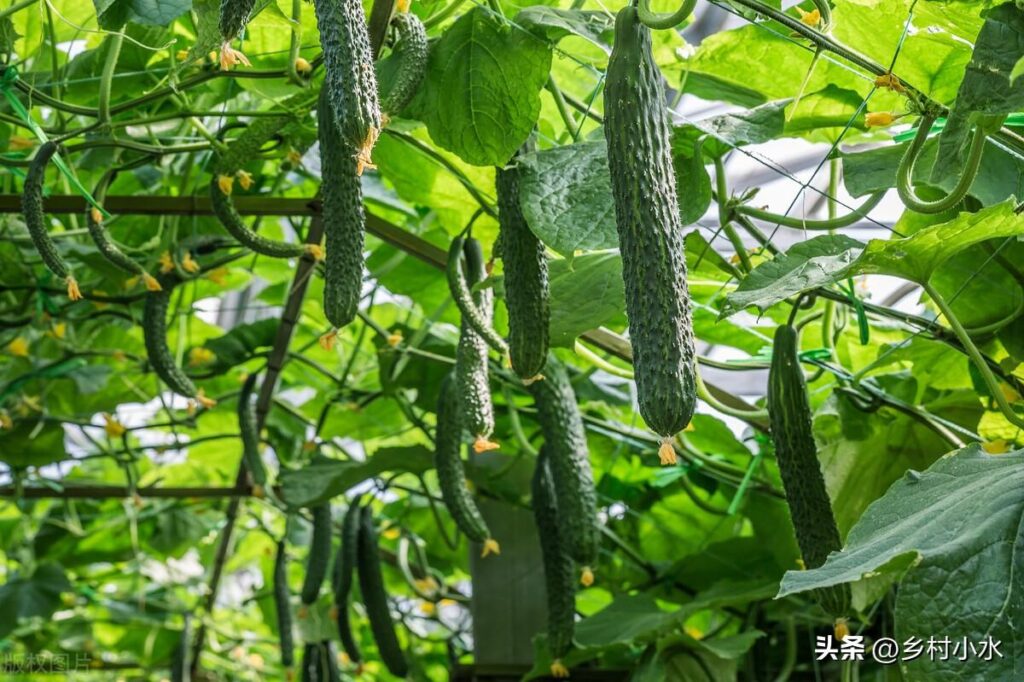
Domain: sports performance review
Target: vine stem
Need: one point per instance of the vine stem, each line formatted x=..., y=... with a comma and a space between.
x=114, y=42
x=704, y=394
x=905, y=173
x=979, y=360
x=665, y=20
x=16, y=7
x=831, y=223
x=722, y=190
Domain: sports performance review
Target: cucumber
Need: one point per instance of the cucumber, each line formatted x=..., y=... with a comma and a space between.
x=650, y=232
x=451, y=474
x=566, y=442
x=319, y=554
x=375, y=597
x=224, y=209
x=35, y=219
x=351, y=81
x=250, y=435
x=154, y=333
x=181, y=670
x=559, y=571
x=234, y=15
x=344, y=220
x=344, y=566
x=471, y=371
x=106, y=246
x=410, y=63
x=312, y=663
x=282, y=604
x=797, y=455
x=526, y=280
x=459, y=287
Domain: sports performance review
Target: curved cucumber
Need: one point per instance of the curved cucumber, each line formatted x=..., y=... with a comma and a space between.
x=451, y=474
x=566, y=443
x=458, y=284
x=224, y=208
x=526, y=280
x=154, y=333
x=410, y=56
x=344, y=220
x=650, y=231
x=559, y=572
x=35, y=218
x=250, y=434
x=344, y=567
x=375, y=597
x=282, y=604
x=319, y=554
x=790, y=415
x=471, y=371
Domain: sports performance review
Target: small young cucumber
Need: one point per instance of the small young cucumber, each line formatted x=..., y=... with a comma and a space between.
x=375, y=597
x=319, y=554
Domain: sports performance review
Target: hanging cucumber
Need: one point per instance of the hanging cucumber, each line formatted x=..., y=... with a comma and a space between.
x=351, y=81
x=375, y=597
x=344, y=221
x=790, y=416
x=650, y=232
x=459, y=287
x=250, y=434
x=566, y=442
x=234, y=15
x=107, y=248
x=35, y=219
x=410, y=63
x=471, y=371
x=526, y=280
x=312, y=663
x=451, y=474
x=319, y=554
x=344, y=566
x=282, y=604
x=559, y=572
x=154, y=333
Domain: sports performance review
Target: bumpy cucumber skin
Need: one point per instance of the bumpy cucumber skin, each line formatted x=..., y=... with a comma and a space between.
x=35, y=216
x=247, y=429
x=471, y=369
x=351, y=81
x=154, y=333
x=107, y=248
x=410, y=54
x=650, y=231
x=234, y=15
x=451, y=475
x=344, y=221
x=282, y=604
x=559, y=571
x=809, y=506
x=312, y=663
x=224, y=208
x=319, y=554
x=526, y=280
x=375, y=597
x=344, y=566
x=566, y=442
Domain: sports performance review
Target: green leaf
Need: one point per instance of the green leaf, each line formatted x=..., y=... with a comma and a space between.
x=826, y=259
x=32, y=444
x=729, y=131
x=323, y=479
x=483, y=88
x=565, y=194
x=585, y=293
x=694, y=188
x=953, y=534
x=832, y=109
x=112, y=14
x=239, y=344
x=554, y=24
x=35, y=596
x=158, y=12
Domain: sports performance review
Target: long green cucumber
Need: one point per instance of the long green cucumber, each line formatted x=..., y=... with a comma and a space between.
x=106, y=246
x=319, y=554
x=410, y=62
x=650, y=232
x=526, y=280
x=35, y=218
x=566, y=442
x=344, y=221
x=559, y=571
x=471, y=369
x=790, y=416
x=375, y=597
x=282, y=604
x=351, y=81
x=344, y=567
x=250, y=435
x=464, y=299
x=234, y=15
x=451, y=475
x=154, y=334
